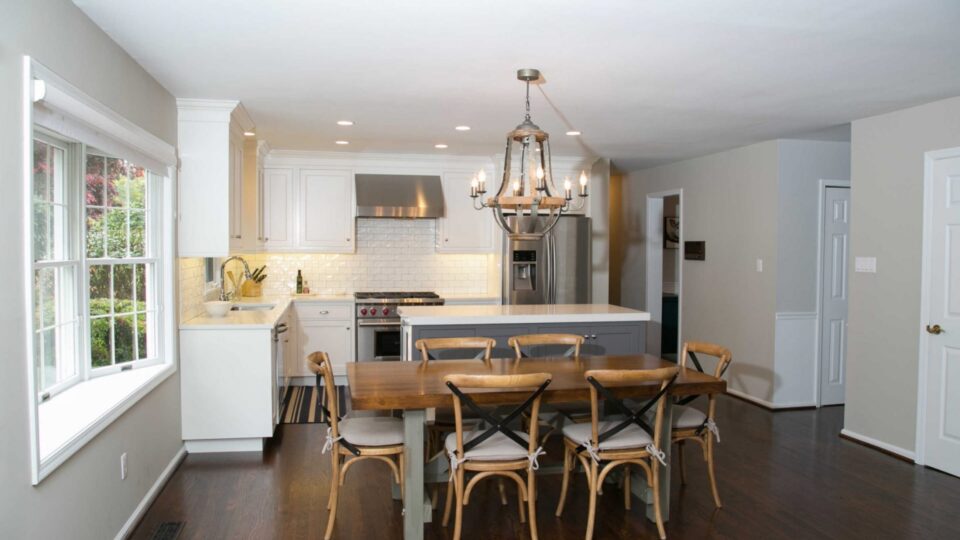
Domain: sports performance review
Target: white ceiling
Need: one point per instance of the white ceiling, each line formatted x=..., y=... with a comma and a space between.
x=645, y=81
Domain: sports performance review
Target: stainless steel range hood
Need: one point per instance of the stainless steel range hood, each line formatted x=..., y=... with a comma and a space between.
x=399, y=196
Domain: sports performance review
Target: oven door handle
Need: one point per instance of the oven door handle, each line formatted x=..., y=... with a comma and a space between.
x=380, y=323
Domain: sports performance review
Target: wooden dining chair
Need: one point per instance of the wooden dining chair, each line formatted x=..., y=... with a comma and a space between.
x=495, y=450
x=690, y=424
x=443, y=422
x=430, y=346
x=354, y=439
x=521, y=344
x=553, y=415
x=605, y=444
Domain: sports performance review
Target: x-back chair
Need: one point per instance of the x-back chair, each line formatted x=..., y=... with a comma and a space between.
x=605, y=444
x=353, y=439
x=495, y=449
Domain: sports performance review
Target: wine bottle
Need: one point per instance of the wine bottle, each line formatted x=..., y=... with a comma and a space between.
x=299, y=282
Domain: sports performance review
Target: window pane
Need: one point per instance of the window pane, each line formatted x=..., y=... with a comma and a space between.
x=116, y=182
x=42, y=223
x=138, y=187
x=138, y=228
x=125, y=339
x=101, y=341
x=123, y=288
x=99, y=290
x=48, y=360
x=41, y=169
x=116, y=231
x=144, y=331
x=95, y=179
x=95, y=232
x=140, y=295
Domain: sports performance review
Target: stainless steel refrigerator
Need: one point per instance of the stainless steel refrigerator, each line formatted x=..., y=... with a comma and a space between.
x=553, y=270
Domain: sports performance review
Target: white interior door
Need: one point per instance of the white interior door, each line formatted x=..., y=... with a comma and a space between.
x=942, y=420
x=833, y=294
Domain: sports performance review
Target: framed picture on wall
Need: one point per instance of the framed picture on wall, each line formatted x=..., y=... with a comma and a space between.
x=671, y=233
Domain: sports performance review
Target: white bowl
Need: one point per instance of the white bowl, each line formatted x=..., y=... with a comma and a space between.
x=217, y=308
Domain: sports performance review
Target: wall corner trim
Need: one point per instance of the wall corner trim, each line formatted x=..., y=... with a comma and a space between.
x=879, y=445
x=151, y=494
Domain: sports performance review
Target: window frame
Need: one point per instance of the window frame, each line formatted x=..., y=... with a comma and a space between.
x=75, y=159
x=88, y=407
x=72, y=157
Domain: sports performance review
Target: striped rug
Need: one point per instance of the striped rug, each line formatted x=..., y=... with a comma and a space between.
x=301, y=405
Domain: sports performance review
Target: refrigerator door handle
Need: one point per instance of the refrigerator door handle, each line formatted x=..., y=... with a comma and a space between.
x=551, y=247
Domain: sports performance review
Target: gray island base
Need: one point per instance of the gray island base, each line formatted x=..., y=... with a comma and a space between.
x=607, y=329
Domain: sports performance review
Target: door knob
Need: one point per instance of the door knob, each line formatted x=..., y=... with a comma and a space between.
x=935, y=329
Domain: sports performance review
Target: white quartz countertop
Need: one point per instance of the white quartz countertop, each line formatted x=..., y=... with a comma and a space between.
x=258, y=319
x=553, y=313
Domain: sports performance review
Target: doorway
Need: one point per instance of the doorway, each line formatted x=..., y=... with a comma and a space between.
x=833, y=290
x=938, y=403
x=664, y=272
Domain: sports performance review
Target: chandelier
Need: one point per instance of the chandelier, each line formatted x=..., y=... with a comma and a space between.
x=528, y=203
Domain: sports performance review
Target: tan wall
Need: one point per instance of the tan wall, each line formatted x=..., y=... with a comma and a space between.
x=886, y=223
x=85, y=497
x=729, y=201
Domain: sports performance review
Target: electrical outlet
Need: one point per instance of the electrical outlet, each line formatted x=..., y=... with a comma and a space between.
x=759, y=265
x=123, y=466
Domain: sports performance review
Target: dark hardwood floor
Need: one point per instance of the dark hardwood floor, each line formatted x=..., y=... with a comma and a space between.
x=782, y=475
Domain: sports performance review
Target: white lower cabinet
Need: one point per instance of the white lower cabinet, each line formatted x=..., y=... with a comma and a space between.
x=228, y=388
x=327, y=328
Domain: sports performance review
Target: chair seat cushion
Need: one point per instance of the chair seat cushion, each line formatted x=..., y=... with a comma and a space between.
x=631, y=436
x=498, y=447
x=372, y=431
x=685, y=417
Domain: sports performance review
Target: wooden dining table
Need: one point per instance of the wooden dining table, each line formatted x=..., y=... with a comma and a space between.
x=414, y=388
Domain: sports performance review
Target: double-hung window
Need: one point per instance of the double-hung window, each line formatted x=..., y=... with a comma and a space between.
x=96, y=253
x=99, y=265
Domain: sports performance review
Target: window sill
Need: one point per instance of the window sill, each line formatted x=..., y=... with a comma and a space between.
x=75, y=416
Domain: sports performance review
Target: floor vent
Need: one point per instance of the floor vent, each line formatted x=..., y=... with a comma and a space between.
x=168, y=530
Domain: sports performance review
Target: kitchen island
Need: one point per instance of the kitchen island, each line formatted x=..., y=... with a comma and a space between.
x=607, y=329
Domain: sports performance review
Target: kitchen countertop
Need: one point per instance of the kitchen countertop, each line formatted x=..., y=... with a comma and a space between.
x=259, y=319
x=487, y=314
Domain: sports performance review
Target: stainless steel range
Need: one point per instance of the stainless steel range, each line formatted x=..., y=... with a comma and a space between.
x=378, y=323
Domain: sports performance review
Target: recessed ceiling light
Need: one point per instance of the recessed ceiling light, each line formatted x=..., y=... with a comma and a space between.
x=343, y=142
x=462, y=128
x=573, y=133
x=344, y=122
x=440, y=146
x=249, y=133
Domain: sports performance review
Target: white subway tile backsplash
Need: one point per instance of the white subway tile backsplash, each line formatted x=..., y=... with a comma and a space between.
x=392, y=255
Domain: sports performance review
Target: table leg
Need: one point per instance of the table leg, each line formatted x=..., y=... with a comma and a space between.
x=663, y=472
x=416, y=505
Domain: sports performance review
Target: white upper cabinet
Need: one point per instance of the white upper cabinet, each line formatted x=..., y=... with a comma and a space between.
x=278, y=209
x=211, y=201
x=464, y=229
x=326, y=209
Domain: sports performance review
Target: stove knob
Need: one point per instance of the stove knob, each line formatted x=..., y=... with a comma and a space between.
x=386, y=311
x=373, y=311
x=363, y=311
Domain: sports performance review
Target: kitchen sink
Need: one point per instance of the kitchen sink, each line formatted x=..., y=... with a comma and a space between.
x=253, y=307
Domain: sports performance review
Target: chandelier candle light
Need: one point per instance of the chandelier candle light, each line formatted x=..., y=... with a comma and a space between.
x=529, y=194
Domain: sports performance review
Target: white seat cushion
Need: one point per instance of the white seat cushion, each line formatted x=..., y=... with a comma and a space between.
x=630, y=437
x=372, y=431
x=498, y=447
x=687, y=417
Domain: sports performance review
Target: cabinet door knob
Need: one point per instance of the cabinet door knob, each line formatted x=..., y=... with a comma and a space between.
x=586, y=336
x=593, y=336
x=324, y=312
x=348, y=329
x=348, y=239
x=446, y=239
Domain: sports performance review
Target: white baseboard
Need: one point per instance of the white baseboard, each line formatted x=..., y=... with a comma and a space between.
x=909, y=454
x=151, y=495
x=224, y=445
x=769, y=404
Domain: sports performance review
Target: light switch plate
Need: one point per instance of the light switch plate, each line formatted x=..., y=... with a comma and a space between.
x=759, y=265
x=866, y=265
